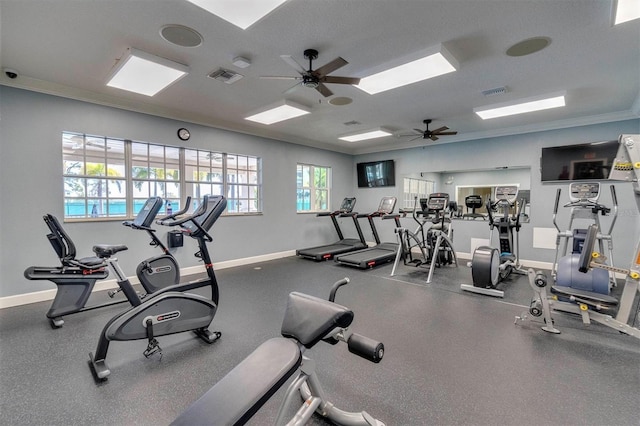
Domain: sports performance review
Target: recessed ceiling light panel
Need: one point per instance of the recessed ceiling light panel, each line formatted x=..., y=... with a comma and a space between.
x=242, y=13
x=419, y=66
x=538, y=103
x=625, y=10
x=279, y=112
x=144, y=73
x=380, y=132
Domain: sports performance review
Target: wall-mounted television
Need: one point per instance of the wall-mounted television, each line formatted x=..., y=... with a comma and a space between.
x=376, y=174
x=589, y=161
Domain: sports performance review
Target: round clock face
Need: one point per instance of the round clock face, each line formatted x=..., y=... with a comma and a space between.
x=184, y=134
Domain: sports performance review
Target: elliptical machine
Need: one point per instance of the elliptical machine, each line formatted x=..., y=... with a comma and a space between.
x=169, y=310
x=592, y=306
x=583, y=201
x=490, y=266
x=435, y=242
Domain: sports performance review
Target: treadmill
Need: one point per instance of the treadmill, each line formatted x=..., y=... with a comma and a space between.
x=382, y=252
x=343, y=245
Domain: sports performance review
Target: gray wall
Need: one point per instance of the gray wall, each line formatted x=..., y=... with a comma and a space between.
x=517, y=150
x=31, y=185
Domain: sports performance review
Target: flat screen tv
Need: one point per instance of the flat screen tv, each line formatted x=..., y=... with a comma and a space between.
x=376, y=174
x=589, y=161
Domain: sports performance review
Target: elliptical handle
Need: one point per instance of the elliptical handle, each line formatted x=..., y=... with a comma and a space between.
x=555, y=207
x=587, y=248
x=614, y=198
x=335, y=287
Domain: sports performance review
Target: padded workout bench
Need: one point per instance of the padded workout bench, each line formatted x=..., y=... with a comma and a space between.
x=245, y=389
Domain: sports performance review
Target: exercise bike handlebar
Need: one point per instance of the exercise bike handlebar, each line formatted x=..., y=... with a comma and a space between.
x=202, y=209
x=187, y=204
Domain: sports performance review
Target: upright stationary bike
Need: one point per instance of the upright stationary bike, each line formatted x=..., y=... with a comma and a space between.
x=490, y=266
x=169, y=310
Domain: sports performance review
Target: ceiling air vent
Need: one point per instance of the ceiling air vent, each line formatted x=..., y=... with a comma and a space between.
x=226, y=76
x=495, y=92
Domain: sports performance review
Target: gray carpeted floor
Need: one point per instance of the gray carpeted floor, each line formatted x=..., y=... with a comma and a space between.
x=452, y=358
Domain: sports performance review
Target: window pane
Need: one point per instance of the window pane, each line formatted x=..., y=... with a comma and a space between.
x=117, y=188
x=95, y=166
x=74, y=187
x=117, y=207
x=75, y=208
x=140, y=189
x=96, y=187
x=97, y=207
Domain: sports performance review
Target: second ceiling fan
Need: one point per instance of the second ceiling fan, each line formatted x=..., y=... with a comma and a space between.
x=316, y=79
x=429, y=134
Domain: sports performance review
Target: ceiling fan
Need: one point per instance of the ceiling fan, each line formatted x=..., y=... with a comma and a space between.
x=429, y=134
x=316, y=79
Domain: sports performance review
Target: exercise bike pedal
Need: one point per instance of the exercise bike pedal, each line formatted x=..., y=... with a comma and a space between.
x=152, y=348
x=99, y=369
x=208, y=336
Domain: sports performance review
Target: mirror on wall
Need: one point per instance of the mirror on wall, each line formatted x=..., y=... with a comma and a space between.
x=473, y=186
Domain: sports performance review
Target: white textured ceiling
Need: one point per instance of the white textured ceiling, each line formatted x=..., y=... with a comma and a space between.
x=68, y=47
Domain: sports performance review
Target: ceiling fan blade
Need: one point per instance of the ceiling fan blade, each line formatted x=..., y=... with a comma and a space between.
x=293, y=63
x=330, y=67
x=415, y=139
x=324, y=90
x=291, y=89
x=441, y=129
x=279, y=77
x=419, y=131
x=447, y=133
x=340, y=80
x=434, y=138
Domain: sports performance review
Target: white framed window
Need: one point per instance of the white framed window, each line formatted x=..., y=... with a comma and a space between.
x=413, y=188
x=112, y=178
x=313, y=188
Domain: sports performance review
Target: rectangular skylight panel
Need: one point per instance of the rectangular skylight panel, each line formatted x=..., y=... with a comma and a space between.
x=372, y=134
x=437, y=62
x=625, y=10
x=503, y=110
x=146, y=74
x=277, y=114
x=241, y=13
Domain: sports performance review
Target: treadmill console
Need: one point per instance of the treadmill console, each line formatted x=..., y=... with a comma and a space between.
x=387, y=205
x=508, y=193
x=584, y=191
x=347, y=205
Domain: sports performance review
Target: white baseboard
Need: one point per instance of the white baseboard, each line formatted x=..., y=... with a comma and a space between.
x=41, y=296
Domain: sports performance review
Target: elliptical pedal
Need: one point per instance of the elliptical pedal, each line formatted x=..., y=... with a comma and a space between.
x=207, y=335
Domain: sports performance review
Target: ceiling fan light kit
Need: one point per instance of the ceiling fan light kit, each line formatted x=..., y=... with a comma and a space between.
x=316, y=79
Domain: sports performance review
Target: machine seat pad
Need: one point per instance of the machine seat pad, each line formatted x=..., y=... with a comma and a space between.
x=309, y=319
x=587, y=295
x=107, y=250
x=91, y=262
x=241, y=393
